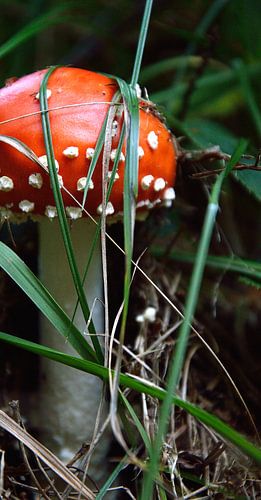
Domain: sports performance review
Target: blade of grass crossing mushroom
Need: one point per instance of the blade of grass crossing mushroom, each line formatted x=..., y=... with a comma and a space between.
x=35, y=290
x=97, y=151
x=21, y=147
x=141, y=386
x=61, y=212
x=190, y=307
x=131, y=120
x=141, y=42
x=131, y=114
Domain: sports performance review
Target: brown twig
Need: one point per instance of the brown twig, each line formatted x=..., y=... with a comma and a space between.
x=207, y=173
x=16, y=410
x=214, y=153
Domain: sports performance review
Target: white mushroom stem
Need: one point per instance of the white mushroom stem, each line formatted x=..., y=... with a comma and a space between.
x=68, y=398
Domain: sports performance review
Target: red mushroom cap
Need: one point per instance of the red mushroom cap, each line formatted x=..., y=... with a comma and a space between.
x=78, y=101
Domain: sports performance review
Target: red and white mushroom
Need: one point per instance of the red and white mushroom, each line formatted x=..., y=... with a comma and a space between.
x=78, y=103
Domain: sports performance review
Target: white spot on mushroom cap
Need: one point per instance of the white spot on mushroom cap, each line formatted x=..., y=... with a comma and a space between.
x=143, y=204
x=71, y=152
x=113, y=155
x=35, y=180
x=89, y=153
x=6, y=183
x=109, y=209
x=146, y=182
x=48, y=94
x=169, y=194
x=168, y=197
x=148, y=203
x=81, y=184
x=26, y=206
x=116, y=177
x=74, y=212
x=155, y=203
x=153, y=140
x=159, y=184
x=119, y=110
x=50, y=211
x=114, y=128
x=140, y=152
x=43, y=160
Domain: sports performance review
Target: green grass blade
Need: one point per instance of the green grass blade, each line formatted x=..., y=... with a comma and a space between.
x=39, y=24
x=141, y=42
x=248, y=94
x=61, y=212
x=158, y=68
x=138, y=424
x=129, y=95
x=244, y=267
x=206, y=21
x=140, y=386
x=250, y=282
x=210, y=83
x=104, y=489
x=97, y=152
x=131, y=110
x=29, y=283
x=131, y=164
x=110, y=185
x=99, y=147
x=190, y=307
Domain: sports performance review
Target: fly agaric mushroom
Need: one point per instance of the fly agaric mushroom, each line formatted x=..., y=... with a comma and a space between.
x=78, y=102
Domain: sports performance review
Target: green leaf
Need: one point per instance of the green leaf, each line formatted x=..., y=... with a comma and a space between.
x=104, y=489
x=40, y=23
x=131, y=111
x=158, y=68
x=248, y=268
x=64, y=226
x=27, y=281
x=141, y=386
x=209, y=133
x=251, y=181
x=250, y=282
x=141, y=42
x=211, y=88
x=138, y=425
x=248, y=94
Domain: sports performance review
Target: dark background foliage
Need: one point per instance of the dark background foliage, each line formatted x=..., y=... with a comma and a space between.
x=202, y=67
